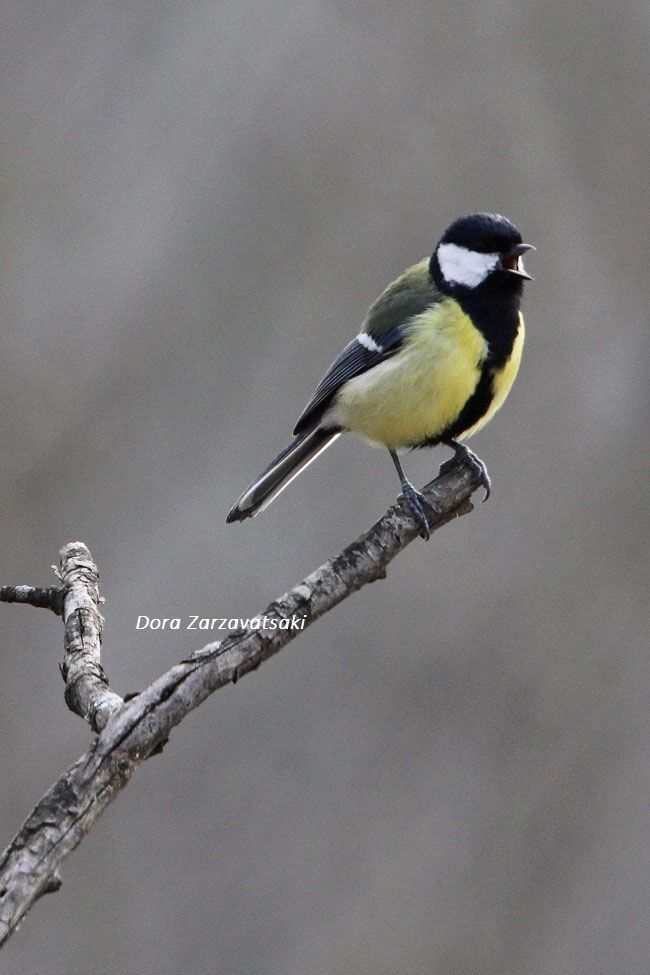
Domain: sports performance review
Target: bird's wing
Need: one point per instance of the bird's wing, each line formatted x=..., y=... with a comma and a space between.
x=359, y=355
x=383, y=333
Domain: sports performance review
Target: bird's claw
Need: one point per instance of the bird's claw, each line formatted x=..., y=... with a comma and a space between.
x=417, y=504
x=468, y=457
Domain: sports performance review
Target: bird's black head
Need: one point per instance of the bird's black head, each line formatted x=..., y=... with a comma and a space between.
x=480, y=253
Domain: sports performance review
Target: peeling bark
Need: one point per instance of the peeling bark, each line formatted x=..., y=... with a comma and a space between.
x=132, y=731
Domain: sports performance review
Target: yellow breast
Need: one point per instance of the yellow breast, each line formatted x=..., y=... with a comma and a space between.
x=502, y=381
x=421, y=391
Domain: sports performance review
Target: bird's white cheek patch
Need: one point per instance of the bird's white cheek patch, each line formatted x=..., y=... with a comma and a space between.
x=462, y=266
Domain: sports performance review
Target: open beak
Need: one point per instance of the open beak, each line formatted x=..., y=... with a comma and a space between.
x=512, y=263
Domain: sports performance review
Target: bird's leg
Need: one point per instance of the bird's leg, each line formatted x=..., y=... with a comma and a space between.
x=467, y=456
x=416, y=501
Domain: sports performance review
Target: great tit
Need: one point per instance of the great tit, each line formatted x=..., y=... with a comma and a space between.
x=435, y=359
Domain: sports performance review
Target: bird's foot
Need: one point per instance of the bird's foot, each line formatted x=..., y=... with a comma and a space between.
x=467, y=456
x=417, y=504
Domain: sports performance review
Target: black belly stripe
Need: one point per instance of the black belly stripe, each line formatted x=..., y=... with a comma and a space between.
x=499, y=326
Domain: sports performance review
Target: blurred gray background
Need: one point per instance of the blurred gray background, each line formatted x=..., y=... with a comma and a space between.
x=448, y=775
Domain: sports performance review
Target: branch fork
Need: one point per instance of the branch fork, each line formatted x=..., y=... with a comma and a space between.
x=76, y=600
x=129, y=732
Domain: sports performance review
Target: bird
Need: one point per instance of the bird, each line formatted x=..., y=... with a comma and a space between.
x=436, y=357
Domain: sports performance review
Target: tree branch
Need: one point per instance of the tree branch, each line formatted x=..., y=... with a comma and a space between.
x=86, y=685
x=76, y=600
x=133, y=731
x=49, y=598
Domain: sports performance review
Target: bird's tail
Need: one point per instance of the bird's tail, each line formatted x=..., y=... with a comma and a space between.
x=294, y=458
